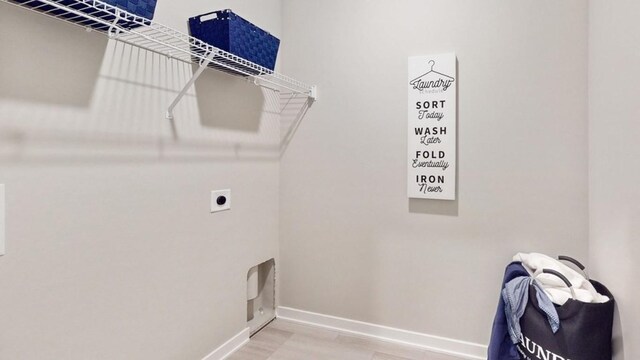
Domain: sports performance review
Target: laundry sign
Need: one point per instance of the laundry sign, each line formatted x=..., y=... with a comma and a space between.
x=432, y=98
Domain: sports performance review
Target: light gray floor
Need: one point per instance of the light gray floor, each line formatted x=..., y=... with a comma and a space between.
x=283, y=340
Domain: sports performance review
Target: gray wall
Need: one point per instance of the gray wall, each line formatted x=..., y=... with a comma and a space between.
x=112, y=254
x=352, y=244
x=614, y=35
x=111, y=250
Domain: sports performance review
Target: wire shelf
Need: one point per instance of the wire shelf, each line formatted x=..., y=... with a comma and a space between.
x=153, y=36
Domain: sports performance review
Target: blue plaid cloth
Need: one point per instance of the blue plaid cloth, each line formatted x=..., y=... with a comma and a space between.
x=516, y=296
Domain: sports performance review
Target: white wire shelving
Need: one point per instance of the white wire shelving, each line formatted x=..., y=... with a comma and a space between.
x=150, y=35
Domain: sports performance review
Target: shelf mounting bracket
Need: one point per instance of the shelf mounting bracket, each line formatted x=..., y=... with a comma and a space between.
x=203, y=65
x=114, y=30
x=313, y=94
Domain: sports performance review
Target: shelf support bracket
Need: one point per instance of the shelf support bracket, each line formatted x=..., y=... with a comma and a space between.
x=114, y=31
x=203, y=66
x=313, y=94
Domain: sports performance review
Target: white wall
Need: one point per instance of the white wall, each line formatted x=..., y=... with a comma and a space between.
x=111, y=250
x=614, y=35
x=352, y=244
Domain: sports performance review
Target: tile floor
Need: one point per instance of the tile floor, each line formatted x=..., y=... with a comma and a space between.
x=283, y=340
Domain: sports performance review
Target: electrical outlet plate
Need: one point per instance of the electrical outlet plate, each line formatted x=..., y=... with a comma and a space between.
x=220, y=200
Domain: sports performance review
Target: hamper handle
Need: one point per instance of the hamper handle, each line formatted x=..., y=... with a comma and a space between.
x=563, y=278
x=571, y=260
x=575, y=262
x=558, y=274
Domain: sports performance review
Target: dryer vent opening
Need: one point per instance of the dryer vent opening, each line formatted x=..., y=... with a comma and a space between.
x=261, y=295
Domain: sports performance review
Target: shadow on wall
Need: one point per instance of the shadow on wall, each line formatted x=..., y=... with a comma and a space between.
x=221, y=107
x=67, y=96
x=70, y=75
x=434, y=207
x=618, y=338
x=624, y=291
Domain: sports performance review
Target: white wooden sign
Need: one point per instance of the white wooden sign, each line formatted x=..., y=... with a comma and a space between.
x=432, y=127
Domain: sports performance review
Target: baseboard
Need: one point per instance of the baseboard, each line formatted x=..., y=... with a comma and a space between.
x=228, y=348
x=458, y=348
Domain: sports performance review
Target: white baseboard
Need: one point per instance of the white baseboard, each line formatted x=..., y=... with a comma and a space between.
x=458, y=348
x=230, y=346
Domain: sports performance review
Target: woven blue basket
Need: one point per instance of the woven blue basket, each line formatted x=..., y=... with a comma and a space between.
x=229, y=32
x=141, y=8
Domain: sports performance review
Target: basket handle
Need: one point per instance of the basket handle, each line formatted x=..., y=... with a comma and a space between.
x=559, y=275
x=575, y=262
x=202, y=16
x=199, y=17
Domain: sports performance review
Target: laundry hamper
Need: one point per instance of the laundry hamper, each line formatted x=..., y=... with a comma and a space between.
x=134, y=13
x=585, y=331
x=585, y=328
x=227, y=31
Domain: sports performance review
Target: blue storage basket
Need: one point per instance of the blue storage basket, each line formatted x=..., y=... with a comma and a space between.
x=229, y=32
x=142, y=8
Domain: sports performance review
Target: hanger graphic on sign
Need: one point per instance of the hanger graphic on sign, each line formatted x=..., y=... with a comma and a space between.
x=432, y=63
x=433, y=80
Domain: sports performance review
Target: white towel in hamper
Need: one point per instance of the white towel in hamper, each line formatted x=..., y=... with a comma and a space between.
x=553, y=286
